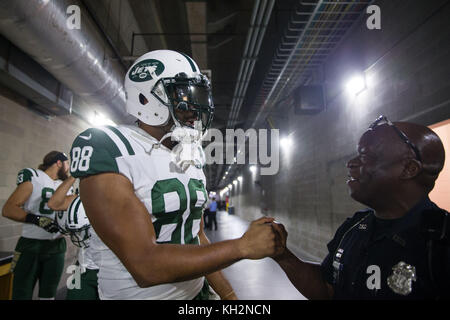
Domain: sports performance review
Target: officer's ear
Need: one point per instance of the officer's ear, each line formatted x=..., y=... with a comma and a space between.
x=411, y=169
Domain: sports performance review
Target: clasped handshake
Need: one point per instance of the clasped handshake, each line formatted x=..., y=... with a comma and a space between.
x=264, y=238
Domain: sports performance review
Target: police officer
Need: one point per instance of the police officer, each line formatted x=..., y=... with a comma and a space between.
x=397, y=249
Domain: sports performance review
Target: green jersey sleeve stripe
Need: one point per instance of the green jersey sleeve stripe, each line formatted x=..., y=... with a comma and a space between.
x=115, y=138
x=35, y=172
x=124, y=140
x=30, y=171
x=190, y=62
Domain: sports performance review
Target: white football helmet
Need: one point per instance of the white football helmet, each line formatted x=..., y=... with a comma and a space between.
x=162, y=81
x=61, y=219
x=77, y=224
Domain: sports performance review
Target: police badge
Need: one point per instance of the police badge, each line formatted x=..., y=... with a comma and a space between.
x=402, y=277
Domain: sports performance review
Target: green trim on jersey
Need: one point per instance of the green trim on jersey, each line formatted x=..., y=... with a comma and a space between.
x=124, y=140
x=25, y=175
x=196, y=212
x=95, y=151
x=160, y=188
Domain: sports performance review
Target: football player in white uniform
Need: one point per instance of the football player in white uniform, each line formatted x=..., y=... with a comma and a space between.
x=39, y=253
x=144, y=193
x=72, y=220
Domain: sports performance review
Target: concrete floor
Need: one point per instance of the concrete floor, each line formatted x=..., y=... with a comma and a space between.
x=252, y=279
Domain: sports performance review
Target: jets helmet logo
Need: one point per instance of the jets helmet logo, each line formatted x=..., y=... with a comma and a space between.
x=146, y=70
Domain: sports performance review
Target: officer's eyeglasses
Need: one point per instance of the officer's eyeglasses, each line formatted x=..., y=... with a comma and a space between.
x=384, y=120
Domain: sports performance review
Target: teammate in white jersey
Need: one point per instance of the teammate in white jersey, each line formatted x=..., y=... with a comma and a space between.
x=39, y=253
x=144, y=194
x=72, y=220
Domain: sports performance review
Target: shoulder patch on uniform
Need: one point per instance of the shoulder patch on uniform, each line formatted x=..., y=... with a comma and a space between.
x=25, y=175
x=95, y=151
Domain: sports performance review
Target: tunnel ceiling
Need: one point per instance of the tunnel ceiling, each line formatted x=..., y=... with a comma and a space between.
x=249, y=73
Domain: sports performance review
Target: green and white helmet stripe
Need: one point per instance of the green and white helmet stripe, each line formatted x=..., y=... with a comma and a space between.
x=77, y=224
x=72, y=217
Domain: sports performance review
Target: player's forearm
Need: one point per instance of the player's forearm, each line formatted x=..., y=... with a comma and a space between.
x=168, y=263
x=59, y=199
x=14, y=212
x=221, y=286
x=216, y=279
x=305, y=276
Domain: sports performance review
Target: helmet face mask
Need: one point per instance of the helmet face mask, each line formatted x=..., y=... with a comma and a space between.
x=80, y=237
x=191, y=96
x=163, y=85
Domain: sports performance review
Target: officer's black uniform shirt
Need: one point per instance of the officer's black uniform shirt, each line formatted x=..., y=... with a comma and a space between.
x=365, y=249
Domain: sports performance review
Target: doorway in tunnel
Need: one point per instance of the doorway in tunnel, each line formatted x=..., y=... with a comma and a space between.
x=440, y=193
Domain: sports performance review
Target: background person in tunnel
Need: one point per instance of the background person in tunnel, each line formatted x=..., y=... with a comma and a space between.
x=398, y=248
x=213, y=214
x=72, y=220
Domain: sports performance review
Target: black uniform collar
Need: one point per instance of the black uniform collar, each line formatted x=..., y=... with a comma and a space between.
x=396, y=227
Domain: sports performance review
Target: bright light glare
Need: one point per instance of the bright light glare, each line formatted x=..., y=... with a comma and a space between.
x=230, y=186
x=240, y=178
x=356, y=85
x=253, y=169
x=98, y=120
x=286, y=142
x=235, y=181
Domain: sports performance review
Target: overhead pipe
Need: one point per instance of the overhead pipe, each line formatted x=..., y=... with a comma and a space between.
x=253, y=62
x=262, y=12
x=250, y=62
x=250, y=55
x=77, y=58
x=250, y=58
x=242, y=65
x=245, y=54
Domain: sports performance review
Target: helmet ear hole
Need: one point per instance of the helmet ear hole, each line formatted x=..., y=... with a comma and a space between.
x=142, y=99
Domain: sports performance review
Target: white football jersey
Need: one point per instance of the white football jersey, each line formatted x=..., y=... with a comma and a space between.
x=174, y=200
x=85, y=258
x=43, y=189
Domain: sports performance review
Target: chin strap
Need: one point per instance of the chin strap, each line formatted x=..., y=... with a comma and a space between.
x=189, y=149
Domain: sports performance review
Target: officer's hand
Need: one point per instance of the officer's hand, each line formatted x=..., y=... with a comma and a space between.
x=259, y=241
x=281, y=236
